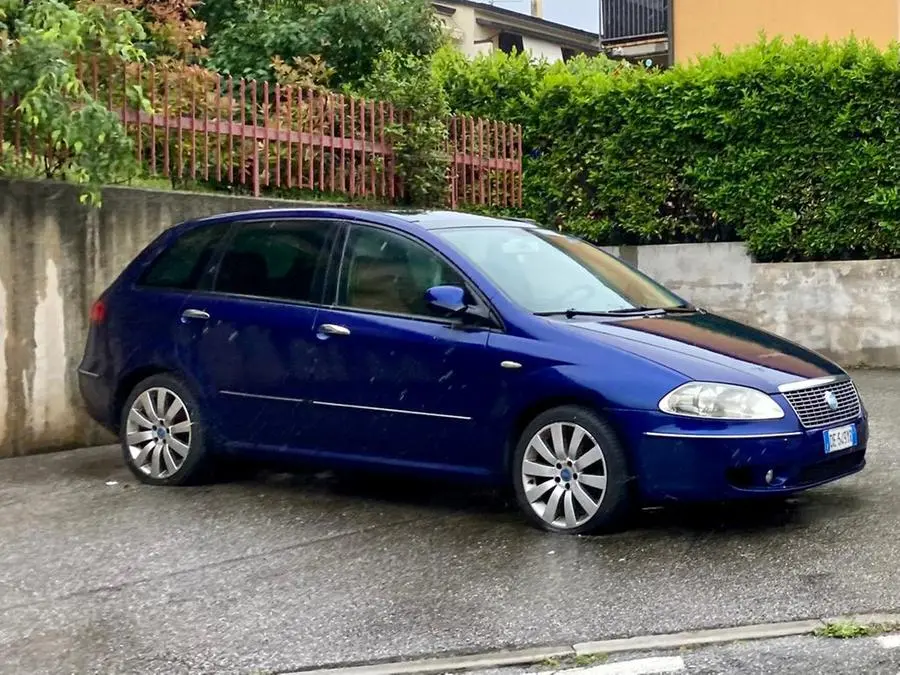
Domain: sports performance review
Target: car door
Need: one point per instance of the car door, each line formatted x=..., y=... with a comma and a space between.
x=251, y=343
x=395, y=382
x=148, y=325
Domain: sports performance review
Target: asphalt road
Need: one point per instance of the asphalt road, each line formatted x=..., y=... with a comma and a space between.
x=277, y=573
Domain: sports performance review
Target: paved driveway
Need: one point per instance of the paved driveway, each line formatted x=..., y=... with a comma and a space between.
x=99, y=574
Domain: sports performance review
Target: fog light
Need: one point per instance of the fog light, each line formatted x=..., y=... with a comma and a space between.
x=770, y=476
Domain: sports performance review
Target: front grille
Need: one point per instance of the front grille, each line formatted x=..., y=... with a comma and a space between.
x=812, y=407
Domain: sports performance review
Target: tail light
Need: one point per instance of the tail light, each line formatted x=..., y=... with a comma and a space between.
x=98, y=312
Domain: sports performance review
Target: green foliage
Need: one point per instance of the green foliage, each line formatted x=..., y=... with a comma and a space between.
x=585, y=660
x=246, y=36
x=845, y=630
x=172, y=27
x=494, y=85
x=79, y=138
x=791, y=147
x=506, y=87
x=420, y=141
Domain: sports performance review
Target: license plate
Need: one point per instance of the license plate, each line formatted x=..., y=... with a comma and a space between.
x=840, y=438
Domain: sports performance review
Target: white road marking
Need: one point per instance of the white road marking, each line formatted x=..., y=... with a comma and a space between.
x=890, y=641
x=651, y=666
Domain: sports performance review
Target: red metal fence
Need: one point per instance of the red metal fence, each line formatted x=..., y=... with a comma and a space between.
x=201, y=126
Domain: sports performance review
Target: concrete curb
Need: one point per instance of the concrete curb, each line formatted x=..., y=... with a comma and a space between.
x=499, y=659
x=644, y=643
x=701, y=637
x=879, y=619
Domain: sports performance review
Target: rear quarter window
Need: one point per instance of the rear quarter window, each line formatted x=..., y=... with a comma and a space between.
x=183, y=263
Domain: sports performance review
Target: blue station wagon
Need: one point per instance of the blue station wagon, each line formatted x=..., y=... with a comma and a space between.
x=451, y=345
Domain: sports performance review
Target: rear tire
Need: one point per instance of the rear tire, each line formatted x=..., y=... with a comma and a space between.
x=570, y=473
x=163, y=434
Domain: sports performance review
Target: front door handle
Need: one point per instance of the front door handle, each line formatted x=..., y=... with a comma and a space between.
x=194, y=314
x=333, y=329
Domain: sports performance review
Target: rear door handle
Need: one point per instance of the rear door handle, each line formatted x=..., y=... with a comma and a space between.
x=333, y=329
x=194, y=314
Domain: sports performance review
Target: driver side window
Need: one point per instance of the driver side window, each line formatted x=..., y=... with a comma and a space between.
x=386, y=272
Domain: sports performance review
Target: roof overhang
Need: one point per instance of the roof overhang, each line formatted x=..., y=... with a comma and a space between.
x=562, y=38
x=445, y=10
x=501, y=19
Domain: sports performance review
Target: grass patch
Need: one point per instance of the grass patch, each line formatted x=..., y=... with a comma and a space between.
x=584, y=660
x=845, y=630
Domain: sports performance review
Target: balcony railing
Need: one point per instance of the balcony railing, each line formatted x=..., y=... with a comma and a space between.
x=634, y=19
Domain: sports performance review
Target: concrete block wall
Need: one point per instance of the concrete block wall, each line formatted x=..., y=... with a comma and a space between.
x=56, y=256
x=846, y=310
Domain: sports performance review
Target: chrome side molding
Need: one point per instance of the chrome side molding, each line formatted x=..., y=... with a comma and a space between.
x=717, y=437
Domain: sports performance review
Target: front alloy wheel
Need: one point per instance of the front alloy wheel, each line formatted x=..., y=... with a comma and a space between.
x=571, y=473
x=564, y=473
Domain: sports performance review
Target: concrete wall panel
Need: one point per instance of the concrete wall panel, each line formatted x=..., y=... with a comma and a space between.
x=56, y=257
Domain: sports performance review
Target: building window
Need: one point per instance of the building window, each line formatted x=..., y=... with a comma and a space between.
x=509, y=42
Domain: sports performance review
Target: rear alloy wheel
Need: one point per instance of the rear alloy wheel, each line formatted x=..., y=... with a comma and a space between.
x=571, y=473
x=162, y=440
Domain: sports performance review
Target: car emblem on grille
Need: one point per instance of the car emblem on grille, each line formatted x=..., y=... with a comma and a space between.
x=831, y=400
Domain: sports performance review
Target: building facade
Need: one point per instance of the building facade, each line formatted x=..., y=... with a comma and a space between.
x=631, y=29
x=636, y=30
x=699, y=26
x=479, y=28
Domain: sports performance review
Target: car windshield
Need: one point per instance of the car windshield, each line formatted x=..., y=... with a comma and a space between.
x=550, y=273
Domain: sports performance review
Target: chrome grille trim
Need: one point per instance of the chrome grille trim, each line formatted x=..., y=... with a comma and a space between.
x=808, y=401
x=808, y=384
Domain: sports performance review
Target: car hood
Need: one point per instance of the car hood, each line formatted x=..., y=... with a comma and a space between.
x=705, y=346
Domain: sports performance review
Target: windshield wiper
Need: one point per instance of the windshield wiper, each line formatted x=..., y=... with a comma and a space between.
x=677, y=309
x=571, y=313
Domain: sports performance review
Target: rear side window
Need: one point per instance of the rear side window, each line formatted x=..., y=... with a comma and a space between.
x=283, y=260
x=183, y=264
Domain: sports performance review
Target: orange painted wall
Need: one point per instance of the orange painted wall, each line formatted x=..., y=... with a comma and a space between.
x=701, y=25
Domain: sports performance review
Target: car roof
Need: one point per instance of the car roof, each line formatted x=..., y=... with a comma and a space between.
x=438, y=220
x=425, y=219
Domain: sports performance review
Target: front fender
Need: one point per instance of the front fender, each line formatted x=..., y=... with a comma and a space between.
x=602, y=390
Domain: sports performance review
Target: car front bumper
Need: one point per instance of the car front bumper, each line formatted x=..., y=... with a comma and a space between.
x=735, y=462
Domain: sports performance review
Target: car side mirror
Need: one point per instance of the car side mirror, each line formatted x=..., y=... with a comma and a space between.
x=447, y=299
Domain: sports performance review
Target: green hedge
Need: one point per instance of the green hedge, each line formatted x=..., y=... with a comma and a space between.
x=793, y=148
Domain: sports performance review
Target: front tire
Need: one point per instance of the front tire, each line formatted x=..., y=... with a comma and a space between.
x=162, y=433
x=571, y=474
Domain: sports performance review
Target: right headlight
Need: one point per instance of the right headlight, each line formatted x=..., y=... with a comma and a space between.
x=711, y=400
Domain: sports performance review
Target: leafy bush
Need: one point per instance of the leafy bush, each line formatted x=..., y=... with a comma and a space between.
x=172, y=27
x=790, y=147
x=420, y=139
x=76, y=137
x=494, y=85
x=246, y=36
